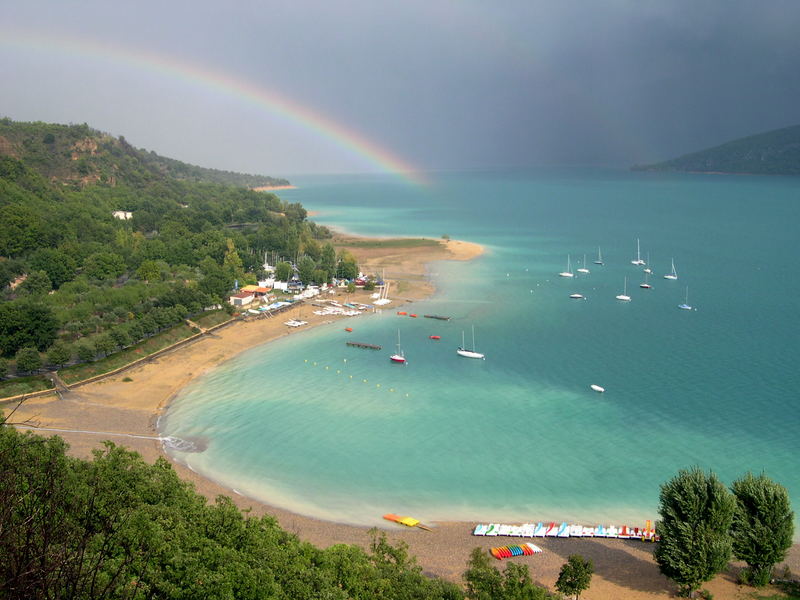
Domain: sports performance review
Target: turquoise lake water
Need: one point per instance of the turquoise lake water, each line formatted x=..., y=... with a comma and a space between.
x=330, y=431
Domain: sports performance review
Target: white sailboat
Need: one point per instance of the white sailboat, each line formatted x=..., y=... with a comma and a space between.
x=672, y=274
x=599, y=260
x=624, y=295
x=568, y=272
x=469, y=352
x=583, y=269
x=577, y=296
x=638, y=260
x=648, y=269
x=685, y=305
x=644, y=284
x=398, y=357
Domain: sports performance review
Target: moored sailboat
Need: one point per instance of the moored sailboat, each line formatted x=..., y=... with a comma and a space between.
x=672, y=274
x=599, y=259
x=583, y=269
x=398, y=356
x=638, y=260
x=568, y=272
x=624, y=295
x=469, y=352
x=685, y=305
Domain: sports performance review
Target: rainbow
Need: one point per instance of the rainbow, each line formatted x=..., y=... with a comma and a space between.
x=242, y=90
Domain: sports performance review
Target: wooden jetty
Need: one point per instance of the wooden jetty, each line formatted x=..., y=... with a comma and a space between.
x=363, y=345
x=440, y=317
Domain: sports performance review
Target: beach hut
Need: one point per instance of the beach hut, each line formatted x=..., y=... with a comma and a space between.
x=241, y=299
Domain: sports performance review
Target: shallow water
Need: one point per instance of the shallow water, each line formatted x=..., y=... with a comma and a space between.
x=340, y=433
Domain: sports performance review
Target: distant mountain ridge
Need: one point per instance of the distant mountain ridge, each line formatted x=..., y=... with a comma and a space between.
x=79, y=155
x=775, y=152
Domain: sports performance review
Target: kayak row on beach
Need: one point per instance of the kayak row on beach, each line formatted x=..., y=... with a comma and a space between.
x=565, y=530
x=509, y=551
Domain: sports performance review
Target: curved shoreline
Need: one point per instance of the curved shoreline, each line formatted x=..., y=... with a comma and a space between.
x=623, y=569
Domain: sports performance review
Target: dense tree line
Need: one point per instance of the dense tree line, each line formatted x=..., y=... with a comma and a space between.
x=117, y=527
x=70, y=271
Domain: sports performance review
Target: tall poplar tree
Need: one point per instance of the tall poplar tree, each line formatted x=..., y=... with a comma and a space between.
x=763, y=525
x=696, y=514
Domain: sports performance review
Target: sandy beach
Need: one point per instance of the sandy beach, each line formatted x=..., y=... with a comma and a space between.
x=116, y=409
x=272, y=188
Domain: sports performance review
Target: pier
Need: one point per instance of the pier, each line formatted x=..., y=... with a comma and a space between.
x=363, y=345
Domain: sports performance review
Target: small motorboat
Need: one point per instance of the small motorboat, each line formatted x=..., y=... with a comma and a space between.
x=435, y=337
x=577, y=296
x=597, y=388
x=402, y=312
x=348, y=329
x=413, y=315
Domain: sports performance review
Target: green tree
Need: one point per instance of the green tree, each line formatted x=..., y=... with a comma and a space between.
x=327, y=260
x=58, y=265
x=104, y=343
x=20, y=229
x=696, y=514
x=3, y=368
x=149, y=270
x=283, y=271
x=120, y=336
x=104, y=265
x=763, y=525
x=485, y=582
x=28, y=360
x=24, y=323
x=575, y=575
x=59, y=354
x=36, y=283
x=232, y=263
x=85, y=350
x=347, y=267
x=305, y=269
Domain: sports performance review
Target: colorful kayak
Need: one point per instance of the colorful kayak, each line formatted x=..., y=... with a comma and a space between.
x=435, y=337
x=407, y=521
x=521, y=550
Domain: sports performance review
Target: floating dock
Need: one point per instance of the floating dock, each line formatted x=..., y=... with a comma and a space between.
x=440, y=317
x=363, y=345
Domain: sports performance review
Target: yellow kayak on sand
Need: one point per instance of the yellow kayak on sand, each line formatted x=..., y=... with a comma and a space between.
x=407, y=521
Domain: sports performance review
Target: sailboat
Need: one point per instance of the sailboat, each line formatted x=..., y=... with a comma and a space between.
x=648, y=269
x=638, y=260
x=599, y=260
x=469, y=353
x=583, y=269
x=624, y=295
x=685, y=305
x=644, y=284
x=398, y=357
x=568, y=272
x=672, y=274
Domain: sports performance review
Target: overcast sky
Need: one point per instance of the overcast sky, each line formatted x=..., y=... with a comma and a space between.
x=440, y=84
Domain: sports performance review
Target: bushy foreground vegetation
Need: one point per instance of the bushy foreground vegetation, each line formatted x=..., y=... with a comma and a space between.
x=76, y=283
x=117, y=527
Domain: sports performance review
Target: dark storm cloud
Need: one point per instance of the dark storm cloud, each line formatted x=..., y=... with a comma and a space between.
x=444, y=84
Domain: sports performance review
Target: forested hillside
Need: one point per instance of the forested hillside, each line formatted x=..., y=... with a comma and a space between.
x=80, y=155
x=772, y=153
x=79, y=283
